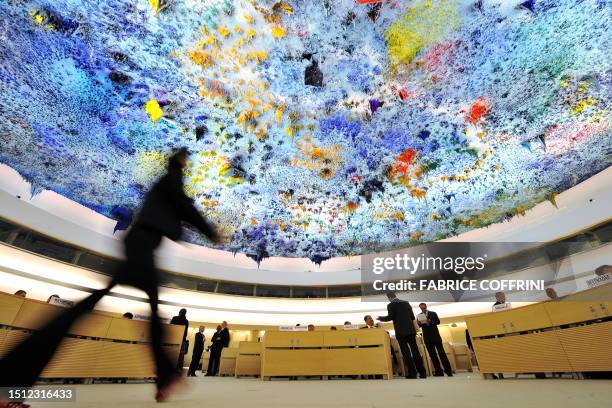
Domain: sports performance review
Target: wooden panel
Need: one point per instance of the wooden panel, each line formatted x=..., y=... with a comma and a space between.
x=398, y=366
x=354, y=361
x=227, y=366
x=124, y=360
x=588, y=347
x=9, y=306
x=92, y=325
x=74, y=358
x=127, y=329
x=567, y=312
x=508, y=321
x=11, y=340
x=248, y=364
x=463, y=357
x=249, y=347
x=337, y=338
x=35, y=315
x=293, y=339
x=537, y=352
x=292, y=362
x=363, y=337
x=229, y=352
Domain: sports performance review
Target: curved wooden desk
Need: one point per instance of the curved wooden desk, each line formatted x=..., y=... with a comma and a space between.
x=571, y=334
x=325, y=353
x=99, y=345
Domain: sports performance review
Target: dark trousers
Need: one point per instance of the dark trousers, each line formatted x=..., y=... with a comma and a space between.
x=214, y=361
x=413, y=363
x=436, y=350
x=195, y=360
x=23, y=365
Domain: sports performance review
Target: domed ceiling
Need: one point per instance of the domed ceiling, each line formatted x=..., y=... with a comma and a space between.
x=317, y=128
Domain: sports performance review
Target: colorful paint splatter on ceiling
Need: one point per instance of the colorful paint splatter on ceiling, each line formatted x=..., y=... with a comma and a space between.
x=317, y=128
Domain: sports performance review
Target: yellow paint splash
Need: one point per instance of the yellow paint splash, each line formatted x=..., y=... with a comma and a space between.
x=582, y=105
x=278, y=32
x=154, y=111
x=154, y=5
x=423, y=24
x=201, y=58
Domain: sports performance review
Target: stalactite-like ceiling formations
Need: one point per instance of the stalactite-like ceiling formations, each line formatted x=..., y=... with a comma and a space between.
x=317, y=128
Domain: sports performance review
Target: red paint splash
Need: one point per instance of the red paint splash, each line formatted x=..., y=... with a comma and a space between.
x=478, y=109
x=404, y=160
x=403, y=93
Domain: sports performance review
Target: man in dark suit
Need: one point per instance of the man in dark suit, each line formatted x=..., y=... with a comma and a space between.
x=215, y=353
x=181, y=320
x=165, y=207
x=400, y=312
x=429, y=322
x=198, y=349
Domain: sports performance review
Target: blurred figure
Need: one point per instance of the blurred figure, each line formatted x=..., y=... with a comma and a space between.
x=400, y=312
x=215, y=353
x=500, y=298
x=311, y=327
x=52, y=297
x=128, y=315
x=181, y=320
x=333, y=328
x=198, y=349
x=347, y=323
x=164, y=208
x=429, y=321
x=551, y=293
x=21, y=293
x=603, y=270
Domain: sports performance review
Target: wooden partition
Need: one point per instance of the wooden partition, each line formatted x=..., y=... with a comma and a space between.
x=97, y=346
x=570, y=334
x=326, y=353
x=227, y=366
x=248, y=361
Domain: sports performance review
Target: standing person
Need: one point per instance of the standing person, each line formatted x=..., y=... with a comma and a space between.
x=165, y=206
x=198, y=349
x=429, y=322
x=215, y=353
x=400, y=312
x=181, y=320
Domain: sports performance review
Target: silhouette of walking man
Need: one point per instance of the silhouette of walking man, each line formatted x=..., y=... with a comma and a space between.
x=164, y=208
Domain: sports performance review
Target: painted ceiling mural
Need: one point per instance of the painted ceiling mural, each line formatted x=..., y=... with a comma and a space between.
x=316, y=128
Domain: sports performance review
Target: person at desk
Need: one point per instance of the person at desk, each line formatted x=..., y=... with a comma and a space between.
x=311, y=327
x=181, y=320
x=500, y=298
x=21, y=293
x=369, y=323
x=400, y=312
x=165, y=207
x=128, y=315
x=198, y=349
x=429, y=321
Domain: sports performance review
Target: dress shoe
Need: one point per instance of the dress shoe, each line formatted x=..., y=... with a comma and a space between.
x=412, y=377
x=438, y=375
x=423, y=376
x=449, y=374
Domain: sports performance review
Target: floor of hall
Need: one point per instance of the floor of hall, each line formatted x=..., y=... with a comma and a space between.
x=463, y=390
